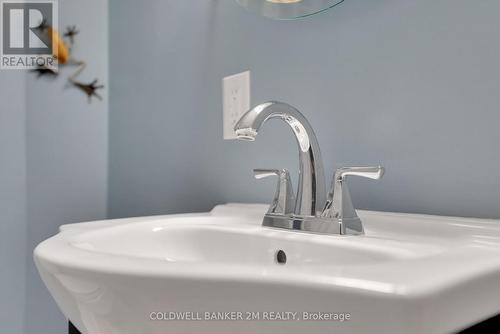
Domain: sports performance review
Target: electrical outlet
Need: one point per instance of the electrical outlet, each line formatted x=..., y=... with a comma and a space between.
x=236, y=101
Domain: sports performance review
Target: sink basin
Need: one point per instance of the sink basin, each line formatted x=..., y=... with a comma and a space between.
x=222, y=272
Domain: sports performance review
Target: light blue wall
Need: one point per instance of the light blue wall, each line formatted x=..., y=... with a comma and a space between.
x=12, y=201
x=412, y=85
x=67, y=150
x=53, y=167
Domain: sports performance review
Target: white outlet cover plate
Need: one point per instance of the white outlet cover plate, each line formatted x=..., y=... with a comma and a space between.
x=236, y=100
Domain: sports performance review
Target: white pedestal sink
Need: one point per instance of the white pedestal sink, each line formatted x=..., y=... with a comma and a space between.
x=218, y=272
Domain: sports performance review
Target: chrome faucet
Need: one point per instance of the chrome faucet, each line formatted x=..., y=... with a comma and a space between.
x=311, y=194
x=309, y=210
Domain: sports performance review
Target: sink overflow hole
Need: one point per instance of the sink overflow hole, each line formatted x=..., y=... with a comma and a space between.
x=280, y=257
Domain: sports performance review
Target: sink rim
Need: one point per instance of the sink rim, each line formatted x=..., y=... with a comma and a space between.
x=58, y=252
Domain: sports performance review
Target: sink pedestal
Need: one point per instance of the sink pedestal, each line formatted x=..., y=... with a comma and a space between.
x=72, y=329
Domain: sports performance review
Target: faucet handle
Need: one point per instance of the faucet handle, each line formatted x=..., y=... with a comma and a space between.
x=374, y=173
x=284, y=198
x=339, y=204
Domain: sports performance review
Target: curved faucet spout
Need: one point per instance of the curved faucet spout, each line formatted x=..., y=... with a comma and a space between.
x=311, y=194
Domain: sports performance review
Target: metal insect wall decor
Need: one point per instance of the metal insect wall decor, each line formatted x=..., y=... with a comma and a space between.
x=65, y=58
